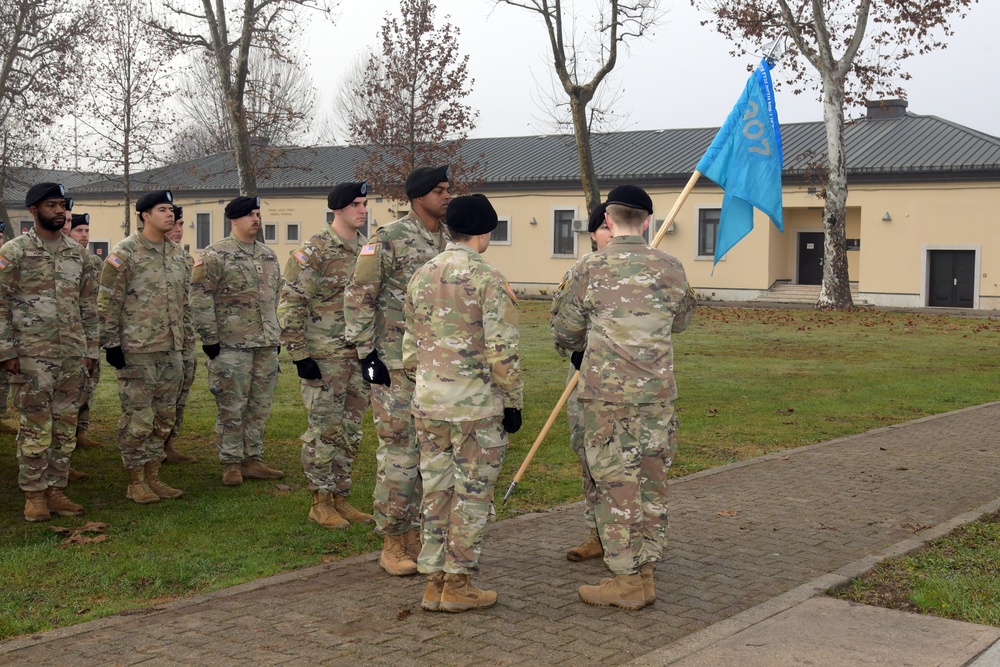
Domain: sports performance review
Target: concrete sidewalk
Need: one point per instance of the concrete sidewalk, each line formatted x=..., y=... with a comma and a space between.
x=733, y=589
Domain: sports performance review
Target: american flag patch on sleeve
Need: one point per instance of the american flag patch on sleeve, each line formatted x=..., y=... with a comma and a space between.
x=4, y=263
x=115, y=261
x=198, y=262
x=301, y=257
x=368, y=249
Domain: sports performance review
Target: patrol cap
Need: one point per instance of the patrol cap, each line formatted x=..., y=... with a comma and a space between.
x=151, y=199
x=80, y=219
x=242, y=206
x=178, y=212
x=424, y=179
x=597, y=218
x=472, y=215
x=344, y=194
x=43, y=191
x=631, y=196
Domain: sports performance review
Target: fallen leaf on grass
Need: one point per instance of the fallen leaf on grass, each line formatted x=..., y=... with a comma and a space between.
x=82, y=611
x=712, y=412
x=76, y=535
x=728, y=513
x=786, y=410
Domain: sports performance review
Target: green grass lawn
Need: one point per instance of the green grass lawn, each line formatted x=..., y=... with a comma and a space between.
x=750, y=381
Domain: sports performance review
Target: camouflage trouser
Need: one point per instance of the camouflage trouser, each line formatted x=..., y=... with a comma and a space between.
x=83, y=421
x=148, y=388
x=459, y=465
x=630, y=449
x=336, y=405
x=243, y=382
x=190, y=361
x=574, y=415
x=397, y=474
x=47, y=395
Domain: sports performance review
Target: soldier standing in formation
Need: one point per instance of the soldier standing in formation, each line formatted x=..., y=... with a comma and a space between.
x=80, y=232
x=144, y=288
x=312, y=320
x=48, y=343
x=619, y=307
x=234, y=301
x=189, y=356
x=373, y=311
x=461, y=351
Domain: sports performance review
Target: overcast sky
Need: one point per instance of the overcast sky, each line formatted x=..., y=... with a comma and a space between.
x=680, y=77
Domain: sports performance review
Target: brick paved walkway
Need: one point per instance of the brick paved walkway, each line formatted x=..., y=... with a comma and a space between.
x=800, y=514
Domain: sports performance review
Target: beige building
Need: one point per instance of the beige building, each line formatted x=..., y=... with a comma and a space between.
x=923, y=207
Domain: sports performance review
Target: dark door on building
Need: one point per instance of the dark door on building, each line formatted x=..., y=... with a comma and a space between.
x=99, y=248
x=811, y=258
x=952, y=278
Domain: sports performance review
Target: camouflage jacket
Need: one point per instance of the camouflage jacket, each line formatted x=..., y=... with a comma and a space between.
x=47, y=304
x=311, y=310
x=144, y=289
x=234, y=295
x=621, y=304
x=373, y=301
x=461, y=339
x=190, y=339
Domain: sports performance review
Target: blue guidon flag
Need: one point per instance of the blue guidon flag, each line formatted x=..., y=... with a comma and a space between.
x=745, y=160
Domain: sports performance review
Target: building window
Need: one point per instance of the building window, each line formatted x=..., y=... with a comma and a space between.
x=708, y=229
x=501, y=235
x=292, y=232
x=227, y=227
x=26, y=225
x=203, y=231
x=270, y=232
x=563, y=238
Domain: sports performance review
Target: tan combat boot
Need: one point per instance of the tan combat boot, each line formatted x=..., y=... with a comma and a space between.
x=411, y=542
x=432, y=594
x=648, y=585
x=151, y=472
x=459, y=594
x=352, y=514
x=174, y=456
x=138, y=490
x=254, y=469
x=58, y=503
x=622, y=590
x=35, y=506
x=324, y=513
x=231, y=475
x=84, y=440
x=394, y=558
x=77, y=475
x=590, y=548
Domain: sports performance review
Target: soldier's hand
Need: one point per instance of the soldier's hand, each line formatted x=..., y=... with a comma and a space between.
x=212, y=350
x=576, y=358
x=12, y=366
x=308, y=369
x=511, y=420
x=88, y=364
x=115, y=356
x=374, y=371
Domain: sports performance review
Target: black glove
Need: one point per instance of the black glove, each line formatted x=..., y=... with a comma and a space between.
x=115, y=356
x=212, y=350
x=308, y=369
x=374, y=371
x=576, y=358
x=511, y=420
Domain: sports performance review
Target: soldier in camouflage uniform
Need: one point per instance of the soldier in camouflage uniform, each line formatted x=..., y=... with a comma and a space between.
x=5, y=425
x=234, y=301
x=311, y=313
x=48, y=343
x=80, y=232
x=189, y=356
x=620, y=306
x=144, y=286
x=373, y=312
x=460, y=348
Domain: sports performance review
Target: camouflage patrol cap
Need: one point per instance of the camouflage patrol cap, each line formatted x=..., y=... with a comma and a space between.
x=151, y=199
x=43, y=191
x=631, y=196
x=80, y=219
x=345, y=193
x=472, y=215
x=424, y=179
x=597, y=218
x=242, y=206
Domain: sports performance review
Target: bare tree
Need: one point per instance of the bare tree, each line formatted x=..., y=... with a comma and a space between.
x=406, y=108
x=849, y=50
x=583, y=61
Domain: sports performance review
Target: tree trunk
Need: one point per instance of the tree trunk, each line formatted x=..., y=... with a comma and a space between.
x=836, y=290
x=241, y=148
x=581, y=131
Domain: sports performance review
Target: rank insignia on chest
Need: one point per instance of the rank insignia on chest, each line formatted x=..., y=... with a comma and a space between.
x=302, y=257
x=4, y=263
x=368, y=250
x=115, y=261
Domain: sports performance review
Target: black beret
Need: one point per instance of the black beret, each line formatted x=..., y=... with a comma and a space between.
x=597, y=218
x=632, y=196
x=344, y=194
x=80, y=219
x=424, y=179
x=242, y=206
x=151, y=199
x=178, y=212
x=69, y=203
x=43, y=191
x=471, y=215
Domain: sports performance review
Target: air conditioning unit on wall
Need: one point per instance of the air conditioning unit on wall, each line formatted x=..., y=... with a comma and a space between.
x=579, y=225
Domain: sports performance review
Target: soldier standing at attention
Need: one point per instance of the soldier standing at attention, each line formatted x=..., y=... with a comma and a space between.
x=460, y=348
x=234, y=302
x=312, y=329
x=144, y=286
x=189, y=355
x=80, y=232
x=48, y=344
x=373, y=312
x=619, y=307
